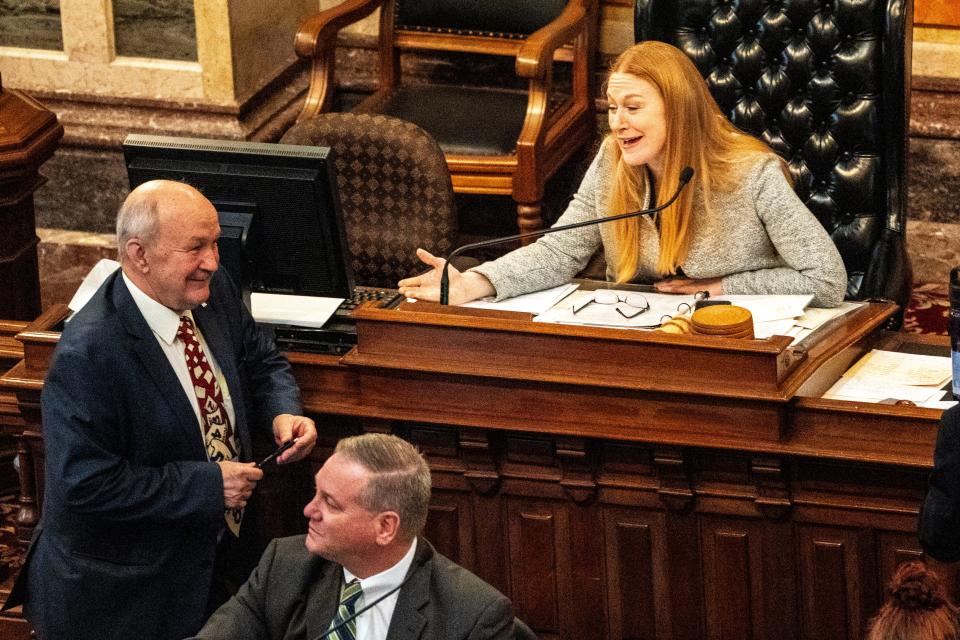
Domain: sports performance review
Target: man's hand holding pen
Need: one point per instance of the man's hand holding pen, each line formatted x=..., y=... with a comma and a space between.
x=276, y=453
x=299, y=429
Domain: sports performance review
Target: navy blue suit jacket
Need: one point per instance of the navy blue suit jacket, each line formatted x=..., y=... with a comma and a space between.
x=939, y=528
x=132, y=508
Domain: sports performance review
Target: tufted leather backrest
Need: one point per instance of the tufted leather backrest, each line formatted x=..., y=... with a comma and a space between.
x=394, y=188
x=826, y=83
x=501, y=18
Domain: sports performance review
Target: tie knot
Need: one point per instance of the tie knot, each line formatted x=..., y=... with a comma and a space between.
x=185, y=331
x=350, y=593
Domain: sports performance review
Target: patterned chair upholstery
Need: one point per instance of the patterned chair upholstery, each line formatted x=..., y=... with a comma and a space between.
x=826, y=83
x=394, y=189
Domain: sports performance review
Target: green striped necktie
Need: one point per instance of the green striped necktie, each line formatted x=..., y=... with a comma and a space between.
x=349, y=594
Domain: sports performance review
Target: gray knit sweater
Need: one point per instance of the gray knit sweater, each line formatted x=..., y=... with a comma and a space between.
x=760, y=238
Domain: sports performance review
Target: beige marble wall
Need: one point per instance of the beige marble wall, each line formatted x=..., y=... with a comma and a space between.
x=241, y=46
x=88, y=64
x=65, y=257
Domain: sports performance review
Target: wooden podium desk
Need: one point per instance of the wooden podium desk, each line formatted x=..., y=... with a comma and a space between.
x=624, y=484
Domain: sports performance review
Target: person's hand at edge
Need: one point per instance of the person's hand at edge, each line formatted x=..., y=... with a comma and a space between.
x=464, y=287
x=287, y=426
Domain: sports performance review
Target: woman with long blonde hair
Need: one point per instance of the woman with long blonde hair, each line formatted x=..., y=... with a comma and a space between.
x=737, y=228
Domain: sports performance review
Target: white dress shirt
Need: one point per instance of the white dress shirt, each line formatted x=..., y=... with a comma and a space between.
x=164, y=323
x=374, y=623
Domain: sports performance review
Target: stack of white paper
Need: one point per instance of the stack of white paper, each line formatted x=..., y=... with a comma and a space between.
x=535, y=303
x=662, y=306
x=299, y=311
x=884, y=376
x=799, y=327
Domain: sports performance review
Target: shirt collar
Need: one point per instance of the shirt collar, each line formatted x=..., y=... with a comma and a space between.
x=379, y=584
x=162, y=320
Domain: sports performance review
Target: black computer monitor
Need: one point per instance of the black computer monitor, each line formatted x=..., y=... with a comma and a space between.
x=280, y=219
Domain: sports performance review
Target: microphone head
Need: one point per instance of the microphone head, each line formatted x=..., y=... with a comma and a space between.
x=686, y=174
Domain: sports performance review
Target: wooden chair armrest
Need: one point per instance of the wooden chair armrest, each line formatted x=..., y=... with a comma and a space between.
x=321, y=27
x=537, y=51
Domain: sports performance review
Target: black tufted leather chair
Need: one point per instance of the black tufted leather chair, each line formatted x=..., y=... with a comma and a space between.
x=394, y=189
x=826, y=83
x=506, y=141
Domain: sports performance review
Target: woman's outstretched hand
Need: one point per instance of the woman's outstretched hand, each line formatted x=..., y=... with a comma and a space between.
x=689, y=285
x=464, y=287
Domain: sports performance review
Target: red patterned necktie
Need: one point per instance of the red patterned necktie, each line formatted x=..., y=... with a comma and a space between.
x=218, y=435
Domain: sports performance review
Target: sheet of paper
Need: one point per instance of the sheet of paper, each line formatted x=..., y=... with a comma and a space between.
x=299, y=311
x=873, y=391
x=535, y=303
x=762, y=330
x=939, y=404
x=662, y=305
x=813, y=317
x=892, y=367
x=94, y=278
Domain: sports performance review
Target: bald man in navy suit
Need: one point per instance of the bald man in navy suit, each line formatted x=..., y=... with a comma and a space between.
x=147, y=450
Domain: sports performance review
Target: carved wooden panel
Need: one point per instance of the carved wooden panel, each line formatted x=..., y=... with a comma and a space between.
x=837, y=578
x=533, y=533
x=636, y=576
x=731, y=573
x=893, y=549
x=443, y=529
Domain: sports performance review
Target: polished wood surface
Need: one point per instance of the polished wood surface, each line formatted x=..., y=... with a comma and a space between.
x=11, y=352
x=632, y=505
x=936, y=13
x=29, y=133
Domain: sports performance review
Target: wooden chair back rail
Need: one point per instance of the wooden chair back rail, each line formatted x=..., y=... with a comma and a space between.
x=490, y=45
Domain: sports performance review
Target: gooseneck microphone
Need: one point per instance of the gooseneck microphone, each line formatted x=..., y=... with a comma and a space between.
x=685, y=175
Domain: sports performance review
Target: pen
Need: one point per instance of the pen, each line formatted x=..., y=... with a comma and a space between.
x=276, y=452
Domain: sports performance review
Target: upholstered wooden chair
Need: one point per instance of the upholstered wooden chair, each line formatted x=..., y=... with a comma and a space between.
x=496, y=141
x=827, y=84
x=394, y=188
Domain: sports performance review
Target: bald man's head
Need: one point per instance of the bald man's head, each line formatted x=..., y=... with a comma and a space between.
x=139, y=215
x=167, y=234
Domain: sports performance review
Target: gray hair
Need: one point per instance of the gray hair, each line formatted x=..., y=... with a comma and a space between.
x=400, y=478
x=138, y=218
